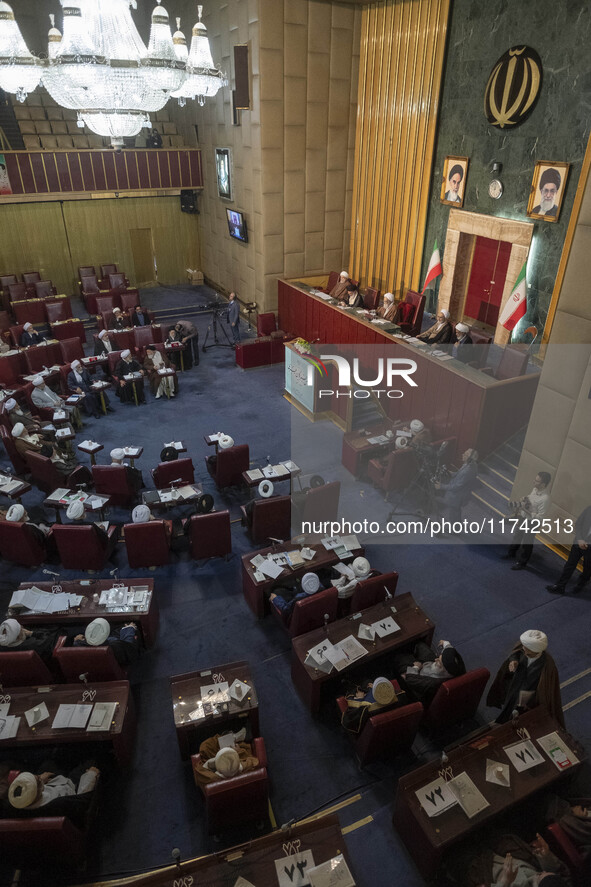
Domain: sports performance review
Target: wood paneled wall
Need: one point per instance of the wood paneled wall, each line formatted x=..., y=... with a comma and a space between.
x=402, y=51
x=54, y=238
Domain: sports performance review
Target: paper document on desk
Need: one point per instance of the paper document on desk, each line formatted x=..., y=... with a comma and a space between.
x=350, y=542
x=255, y=474
x=558, y=751
x=186, y=492
x=470, y=798
x=333, y=873
x=351, y=647
x=384, y=627
x=37, y=714
x=436, y=797
x=9, y=727
x=331, y=542
x=292, y=871
x=366, y=632
x=10, y=485
x=215, y=693
x=294, y=558
x=59, y=415
x=71, y=716
x=32, y=599
x=269, y=471
x=523, y=755
x=290, y=466
x=270, y=568
x=102, y=716
x=60, y=493
x=321, y=654
x=198, y=713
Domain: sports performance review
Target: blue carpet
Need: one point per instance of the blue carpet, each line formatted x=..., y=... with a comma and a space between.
x=474, y=599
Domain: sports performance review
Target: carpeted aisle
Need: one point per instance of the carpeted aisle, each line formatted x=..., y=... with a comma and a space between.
x=474, y=599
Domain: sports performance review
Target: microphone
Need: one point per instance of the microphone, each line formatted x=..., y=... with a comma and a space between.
x=278, y=541
x=176, y=855
x=51, y=573
x=388, y=595
x=83, y=677
x=177, y=480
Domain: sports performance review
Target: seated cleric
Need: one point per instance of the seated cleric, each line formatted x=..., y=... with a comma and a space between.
x=289, y=596
x=441, y=332
x=124, y=642
x=422, y=671
x=224, y=762
x=29, y=792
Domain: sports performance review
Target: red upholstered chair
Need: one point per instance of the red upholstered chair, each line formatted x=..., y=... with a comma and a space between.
x=80, y=548
x=393, y=472
x=117, y=281
x=255, y=353
x=209, y=535
x=166, y=472
x=18, y=463
x=565, y=849
x=5, y=321
x=20, y=545
x=142, y=337
x=412, y=324
x=148, y=544
x=373, y=590
x=322, y=503
x=266, y=324
x=112, y=480
x=105, y=302
x=23, y=668
x=332, y=280
x=113, y=358
x=36, y=359
x=64, y=370
x=229, y=465
x=46, y=476
x=71, y=350
x=387, y=733
x=456, y=700
x=17, y=292
x=30, y=278
x=58, y=310
x=371, y=300
x=86, y=271
x=270, y=517
x=483, y=340
x=240, y=799
x=129, y=300
x=49, y=840
x=44, y=289
x=98, y=663
x=7, y=280
x=513, y=363
x=108, y=269
x=16, y=332
x=89, y=289
x=308, y=613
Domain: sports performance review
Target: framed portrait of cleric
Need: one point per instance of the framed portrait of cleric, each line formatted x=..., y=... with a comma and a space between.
x=453, y=186
x=547, y=190
x=222, y=169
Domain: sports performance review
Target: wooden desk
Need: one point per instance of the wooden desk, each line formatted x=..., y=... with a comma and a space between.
x=255, y=860
x=68, y=329
x=52, y=501
x=254, y=592
x=147, y=617
x=17, y=492
x=453, y=399
x=120, y=736
x=186, y=694
x=91, y=449
x=12, y=366
x=414, y=623
x=427, y=839
x=357, y=451
x=149, y=496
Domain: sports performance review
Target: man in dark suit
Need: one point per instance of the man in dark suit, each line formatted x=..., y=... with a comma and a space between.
x=79, y=381
x=457, y=491
x=30, y=337
x=581, y=548
x=140, y=316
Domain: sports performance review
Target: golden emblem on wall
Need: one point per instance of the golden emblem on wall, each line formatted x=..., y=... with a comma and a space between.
x=513, y=87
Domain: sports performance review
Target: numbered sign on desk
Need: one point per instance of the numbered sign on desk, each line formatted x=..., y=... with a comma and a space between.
x=292, y=871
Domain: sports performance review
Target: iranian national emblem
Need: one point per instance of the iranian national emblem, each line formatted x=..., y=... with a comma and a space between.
x=513, y=87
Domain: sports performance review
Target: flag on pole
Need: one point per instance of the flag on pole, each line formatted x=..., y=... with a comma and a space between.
x=516, y=304
x=435, y=268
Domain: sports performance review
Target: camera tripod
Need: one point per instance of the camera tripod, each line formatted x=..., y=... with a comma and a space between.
x=216, y=342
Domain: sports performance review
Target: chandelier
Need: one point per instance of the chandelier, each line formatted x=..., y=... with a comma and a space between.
x=101, y=68
x=203, y=79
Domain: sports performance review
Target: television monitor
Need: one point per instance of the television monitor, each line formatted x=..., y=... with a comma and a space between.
x=237, y=225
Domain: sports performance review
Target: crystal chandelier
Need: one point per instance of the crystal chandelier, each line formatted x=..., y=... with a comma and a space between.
x=101, y=68
x=203, y=80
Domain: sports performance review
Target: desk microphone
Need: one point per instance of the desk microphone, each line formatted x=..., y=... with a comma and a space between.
x=51, y=573
x=388, y=595
x=278, y=541
x=83, y=677
x=177, y=480
x=176, y=855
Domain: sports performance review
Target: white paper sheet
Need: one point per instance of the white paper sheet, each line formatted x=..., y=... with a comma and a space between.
x=523, y=755
x=292, y=871
x=436, y=797
x=71, y=716
x=558, y=751
x=333, y=873
x=384, y=627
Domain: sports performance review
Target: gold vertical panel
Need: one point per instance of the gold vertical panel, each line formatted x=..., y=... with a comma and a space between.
x=400, y=73
x=34, y=237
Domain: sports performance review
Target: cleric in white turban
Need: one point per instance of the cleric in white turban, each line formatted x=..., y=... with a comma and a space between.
x=528, y=677
x=340, y=288
x=441, y=332
x=129, y=389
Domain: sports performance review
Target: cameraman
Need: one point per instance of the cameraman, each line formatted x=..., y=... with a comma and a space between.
x=527, y=509
x=234, y=317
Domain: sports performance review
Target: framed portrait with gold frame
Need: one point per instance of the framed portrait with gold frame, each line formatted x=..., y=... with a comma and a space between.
x=547, y=190
x=453, y=186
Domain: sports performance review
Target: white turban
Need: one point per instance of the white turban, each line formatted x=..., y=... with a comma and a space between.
x=445, y=313
x=534, y=640
x=28, y=326
x=361, y=567
x=103, y=333
x=227, y=763
x=344, y=274
x=15, y=513
x=18, y=429
x=117, y=455
x=116, y=310
x=75, y=510
x=389, y=297
x=38, y=380
x=9, y=632
x=141, y=514
x=125, y=354
x=225, y=442
x=10, y=403
x=76, y=365
x=462, y=328
x=97, y=632
x=310, y=583
x=382, y=691
x=416, y=426
x=23, y=790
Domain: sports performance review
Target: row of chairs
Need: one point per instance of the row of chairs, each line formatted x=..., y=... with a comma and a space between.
x=26, y=668
x=16, y=292
x=79, y=547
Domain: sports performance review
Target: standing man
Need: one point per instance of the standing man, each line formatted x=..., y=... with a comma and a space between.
x=581, y=548
x=234, y=317
x=529, y=508
x=189, y=335
x=458, y=490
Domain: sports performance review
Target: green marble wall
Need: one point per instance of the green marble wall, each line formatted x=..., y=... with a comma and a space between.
x=480, y=31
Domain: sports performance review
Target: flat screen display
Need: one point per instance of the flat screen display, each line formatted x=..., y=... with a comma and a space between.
x=237, y=225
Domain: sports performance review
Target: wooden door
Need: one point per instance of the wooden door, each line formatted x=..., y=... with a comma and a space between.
x=144, y=260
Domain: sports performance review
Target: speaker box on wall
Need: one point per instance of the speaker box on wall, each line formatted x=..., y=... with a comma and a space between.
x=241, y=94
x=189, y=201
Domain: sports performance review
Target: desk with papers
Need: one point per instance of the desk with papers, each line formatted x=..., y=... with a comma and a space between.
x=326, y=654
x=275, y=473
x=62, y=498
x=262, y=569
x=130, y=601
x=13, y=487
x=69, y=713
x=171, y=496
x=486, y=775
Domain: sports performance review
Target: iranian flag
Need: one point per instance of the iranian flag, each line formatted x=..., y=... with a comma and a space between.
x=435, y=268
x=516, y=304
